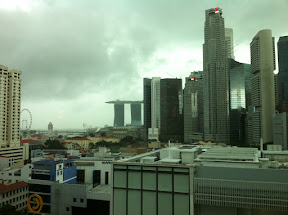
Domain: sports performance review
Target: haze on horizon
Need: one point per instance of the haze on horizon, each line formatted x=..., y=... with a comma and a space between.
x=76, y=55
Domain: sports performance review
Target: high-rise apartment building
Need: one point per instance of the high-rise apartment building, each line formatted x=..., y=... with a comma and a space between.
x=171, y=110
x=216, y=78
x=240, y=99
x=193, y=107
x=263, y=93
x=10, y=101
x=282, y=81
x=147, y=105
x=229, y=42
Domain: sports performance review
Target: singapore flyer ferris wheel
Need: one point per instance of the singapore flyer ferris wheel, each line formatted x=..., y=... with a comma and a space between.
x=26, y=119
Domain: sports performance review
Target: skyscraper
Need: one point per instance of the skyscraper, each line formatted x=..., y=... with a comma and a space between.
x=283, y=74
x=171, y=109
x=147, y=105
x=263, y=94
x=240, y=99
x=229, y=42
x=136, y=114
x=216, y=78
x=153, y=132
x=118, y=114
x=193, y=107
x=10, y=101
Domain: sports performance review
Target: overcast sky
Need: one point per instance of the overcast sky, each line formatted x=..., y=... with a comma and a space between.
x=75, y=55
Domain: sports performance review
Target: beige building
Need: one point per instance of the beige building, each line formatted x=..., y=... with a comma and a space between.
x=263, y=93
x=18, y=153
x=10, y=101
x=10, y=104
x=83, y=142
x=104, y=138
x=14, y=194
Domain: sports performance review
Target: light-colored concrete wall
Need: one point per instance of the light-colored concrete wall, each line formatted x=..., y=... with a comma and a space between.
x=25, y=174
x=95, y=165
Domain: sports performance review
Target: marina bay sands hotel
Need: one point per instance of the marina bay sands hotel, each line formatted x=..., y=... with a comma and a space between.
x=119, y=112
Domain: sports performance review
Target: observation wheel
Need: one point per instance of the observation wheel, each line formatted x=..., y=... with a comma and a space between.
x=26, y=119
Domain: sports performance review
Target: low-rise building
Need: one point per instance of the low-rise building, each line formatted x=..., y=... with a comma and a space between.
x=14, y=175
x=18, y=153
x=93, y=171
x=133, y=150
x=15, y=194
x=83, y=142
x=202, y=180
x=104, y=138
x=47, y=172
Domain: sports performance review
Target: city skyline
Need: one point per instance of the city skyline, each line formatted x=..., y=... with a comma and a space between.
x=77, y=59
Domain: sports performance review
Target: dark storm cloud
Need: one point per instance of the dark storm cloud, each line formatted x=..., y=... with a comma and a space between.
x=69, y=48
x=65, y=53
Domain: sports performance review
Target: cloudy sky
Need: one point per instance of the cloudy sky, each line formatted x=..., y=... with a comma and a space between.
x=75, y=55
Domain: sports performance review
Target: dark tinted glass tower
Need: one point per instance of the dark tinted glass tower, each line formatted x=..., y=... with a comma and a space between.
x=147, y=105
x=171, y=108
x=240, y=99
x=193, y=108
x=119, y=115
x=216, y=79
x=282, y=81
x=136, y=114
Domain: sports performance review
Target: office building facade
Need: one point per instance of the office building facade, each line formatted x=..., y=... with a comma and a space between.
x=240, y=99
x=229, y=42
x=280, y=130
x=147, y=106
x=153, y=132
x=200, y=181
x=47, y=172
x=171, y=110
x=216, y=78
x=263, y=93
x=282, y=80
x=136, y=114
x=155, y=102
x=118, y=115
x=193, y=107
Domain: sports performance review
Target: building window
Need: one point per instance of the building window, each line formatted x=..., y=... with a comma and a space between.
x=67, y=209
x=81, y=200
x=74, y=199
x=80, y=176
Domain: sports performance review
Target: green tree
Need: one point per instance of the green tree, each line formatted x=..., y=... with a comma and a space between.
x=9, y=210
x=128, y=140
x=103, y=134
x=54, y=144
x=91, y=146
